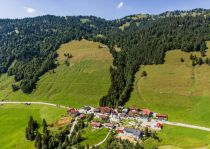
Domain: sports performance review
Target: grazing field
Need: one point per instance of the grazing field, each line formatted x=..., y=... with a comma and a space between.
x=172, y=137
x=83, y=82
x=184, y=137
x=14, y=119
x=175, y=88
x=93, y=136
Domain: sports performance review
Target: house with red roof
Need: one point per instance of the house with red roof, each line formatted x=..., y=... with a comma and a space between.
x=96, y=124
x=104, y=117
x=109, y=125
x=73, y=112
x=82, y=116
x=162, y=117
x=105, y=110
x=146, y=112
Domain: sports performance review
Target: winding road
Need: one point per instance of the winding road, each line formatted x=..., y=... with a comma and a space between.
x=103, y=139
x=72, y=127
x=65, y=107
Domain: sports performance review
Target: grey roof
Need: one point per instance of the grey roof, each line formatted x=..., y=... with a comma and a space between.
x=133, y=131
x=87, y=108
x=122, y=114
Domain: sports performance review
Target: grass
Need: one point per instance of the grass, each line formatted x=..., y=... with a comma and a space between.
x=84, y=82
x=173, y=137
x=93, y=136
x=184, y=137
x=127, y=24
x=175, y=88
x=14, y=119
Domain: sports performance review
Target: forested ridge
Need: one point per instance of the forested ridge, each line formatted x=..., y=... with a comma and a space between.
x=28, y=46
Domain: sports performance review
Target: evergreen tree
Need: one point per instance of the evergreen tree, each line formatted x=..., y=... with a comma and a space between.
x=30, y=130
x=38, y=141
x=144, y=74
x=200, y=61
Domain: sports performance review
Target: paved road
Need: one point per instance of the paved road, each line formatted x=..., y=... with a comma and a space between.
x=55, y=105
x=72, y=127
x=103, y=139
x=37, y=103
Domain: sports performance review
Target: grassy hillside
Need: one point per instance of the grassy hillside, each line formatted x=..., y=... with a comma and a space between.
x=175, y=88
x=172, y=137
x=83, y=82
x=14, y=119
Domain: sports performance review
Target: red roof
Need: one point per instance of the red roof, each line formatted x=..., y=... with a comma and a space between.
x=146, y=111
x=82, y=116
x=134, y=112
x=96, y=124
x=120, y=130
x=104, y=116
x=161, y=116
x=159, y=125
x=109, y=124
x=72, y=111
x=105, y=109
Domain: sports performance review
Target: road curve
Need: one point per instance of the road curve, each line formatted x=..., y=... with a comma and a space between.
x=72, y=127
x=65, y=107
x=103, y=139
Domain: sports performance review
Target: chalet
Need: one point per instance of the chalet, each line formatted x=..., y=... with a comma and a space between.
x=122, y=114
x=105, y=110
x=96, y=124
x=87, y=108
x=82, y=116
x=114, y=118
x=125, y=111
x=146, y=112
x=73, y=112
x=162, y=117
x=120, y=130
x=132, y=133
x=104, y=117
x=96, y=110
x=159, y=125
x=133, y=112
x=109, y=125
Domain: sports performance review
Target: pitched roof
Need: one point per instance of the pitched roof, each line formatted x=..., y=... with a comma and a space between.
x=133, y=131
x=104, y=116
x=105, y=109
x=146, y=111
x=73, y=111
x=87, y=108
x=96, y=124
x=161, y=115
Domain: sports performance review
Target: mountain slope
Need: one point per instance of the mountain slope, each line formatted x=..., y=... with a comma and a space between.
x=175, y=88
x=81, y=83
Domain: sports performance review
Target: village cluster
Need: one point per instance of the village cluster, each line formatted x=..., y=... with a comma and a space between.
x=130, y=122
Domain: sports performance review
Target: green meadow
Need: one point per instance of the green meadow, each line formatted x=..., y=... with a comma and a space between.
x=14, y=119
x=175, y=88
x=83, y=82
x=93, y=136
x=172, y=137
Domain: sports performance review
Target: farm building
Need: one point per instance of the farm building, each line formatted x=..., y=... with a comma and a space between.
x=96, y=124
x=132, y=133
x=73, y=112
x=105, y=110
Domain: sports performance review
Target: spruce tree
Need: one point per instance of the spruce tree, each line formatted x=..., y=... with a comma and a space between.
x=38, y=141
